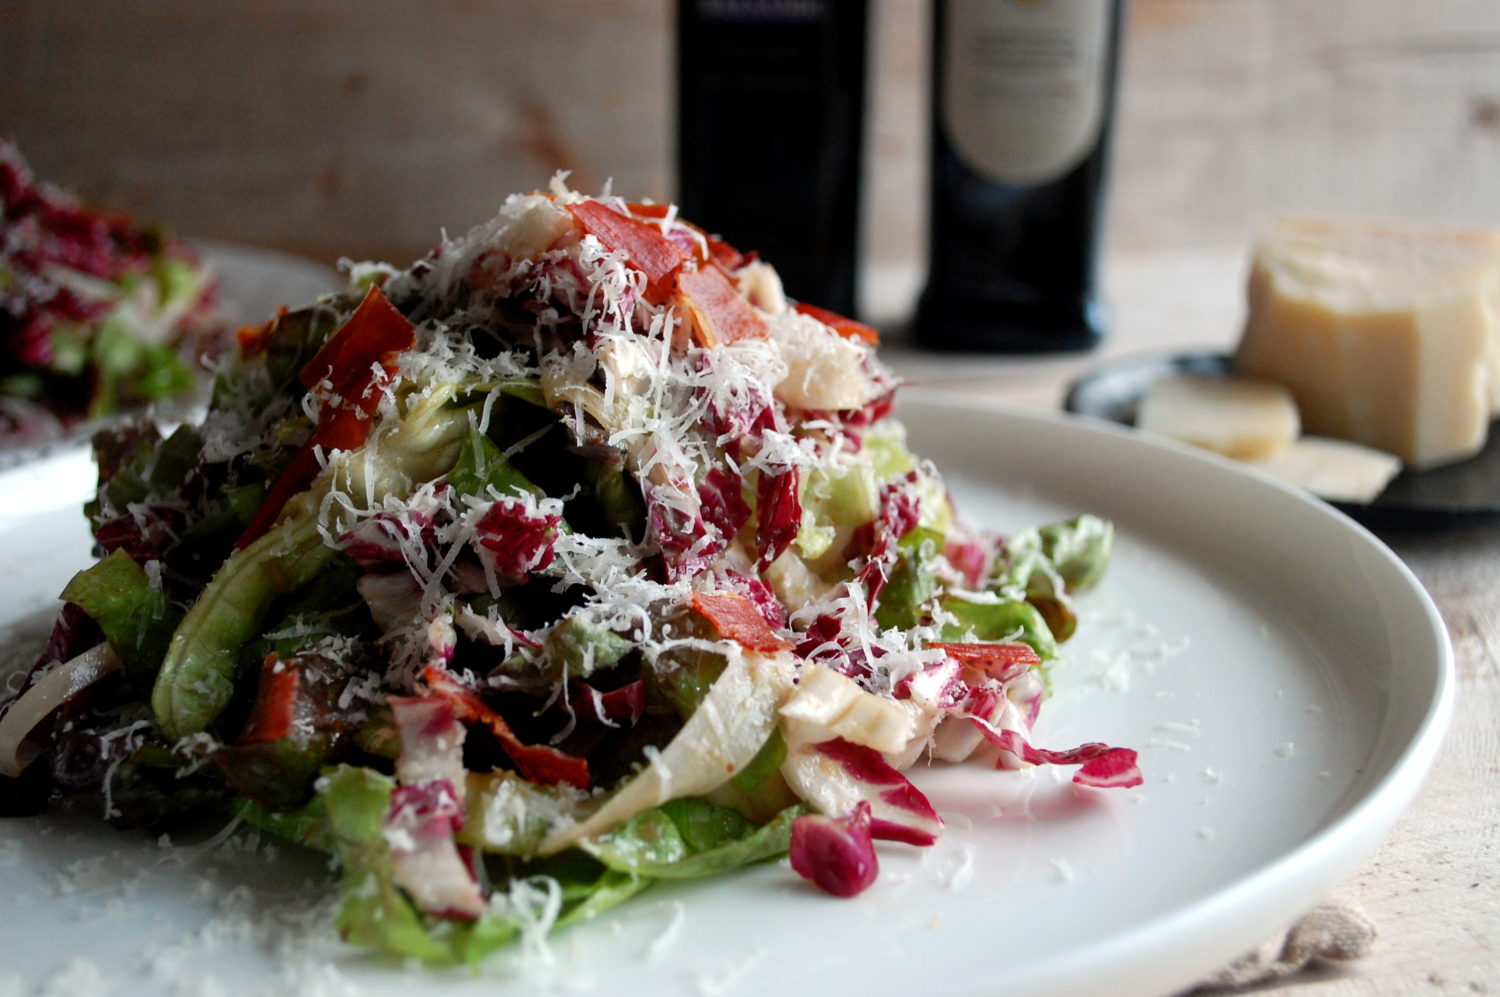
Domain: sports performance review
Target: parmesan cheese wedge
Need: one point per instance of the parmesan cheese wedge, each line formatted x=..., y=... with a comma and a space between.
x=1336, y=470
x=1386, y=333
x=1234, y=417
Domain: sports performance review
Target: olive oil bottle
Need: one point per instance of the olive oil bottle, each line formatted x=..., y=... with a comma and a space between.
x=1022, y=108
x=770, y=129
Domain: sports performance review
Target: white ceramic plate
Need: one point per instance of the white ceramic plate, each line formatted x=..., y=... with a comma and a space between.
x=1285, y=678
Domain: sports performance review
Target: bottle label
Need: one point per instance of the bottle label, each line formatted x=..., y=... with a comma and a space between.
x=1024, y=85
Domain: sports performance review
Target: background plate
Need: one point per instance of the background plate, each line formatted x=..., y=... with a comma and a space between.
x=1285, y=678
x=1461, y=491
x=252, y=284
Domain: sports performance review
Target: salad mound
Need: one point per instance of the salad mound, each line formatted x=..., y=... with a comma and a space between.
x=571, y=558
x=99, y=314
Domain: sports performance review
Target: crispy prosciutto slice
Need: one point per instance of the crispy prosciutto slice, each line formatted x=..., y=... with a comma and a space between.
x=846, y=327
x=736, y=617
x=717, y=250
x=538, y=762
x=1001, y=662
x=347, y=373
x=713, y=309
x=643, y=244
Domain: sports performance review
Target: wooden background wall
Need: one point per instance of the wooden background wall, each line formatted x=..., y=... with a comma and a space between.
x=335, y=127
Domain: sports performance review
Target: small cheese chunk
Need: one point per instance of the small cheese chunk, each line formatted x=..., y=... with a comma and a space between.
x=836, y=703
x=1231, y=416
x=1336, y=470
x=1386, y=333
x=824, y=370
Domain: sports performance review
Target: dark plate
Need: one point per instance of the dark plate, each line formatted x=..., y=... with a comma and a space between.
x=1459, y=492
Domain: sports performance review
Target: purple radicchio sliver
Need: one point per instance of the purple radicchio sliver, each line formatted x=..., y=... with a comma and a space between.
x=519, y=539
x=724, y=505
x=427, y=809
x=900, y=511
x=943, y=685
x=143, y=534
x=381, y=541
x=822, y=640
x=614, y=707
x=779, y=511
x=432, y=740
x=1101, y=766
x=741, y=425
x=836, y=853
x=683, y=537
x=918, y=821
x=428, y=864
x=970, y=558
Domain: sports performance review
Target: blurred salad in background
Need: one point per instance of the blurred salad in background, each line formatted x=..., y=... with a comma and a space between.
x=99, y=313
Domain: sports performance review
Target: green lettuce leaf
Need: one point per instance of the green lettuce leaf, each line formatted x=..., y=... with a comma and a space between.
x=1008, y=620
x=135, y=616
x=690, y=838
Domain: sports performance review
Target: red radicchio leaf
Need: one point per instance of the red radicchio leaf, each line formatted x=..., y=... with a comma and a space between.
x=682, y=536
x=835, y=853
x=981, y=701
x=623, y=705
x=825, y=642
x=780, y=515
x=942, y=684
x=724, y=505
x=537, y=762
x=380, y=541
x=820, y=633
x=971, y=559
x=1103, y=767
x=427, y=808
x=743, y=422
x=431, y=738
x=868, y=766
x=520, y=540
x=1114, y=769
x=142, y=533
x=872, y=412
x=900, y=510
x=427, y=861
x=73, y=632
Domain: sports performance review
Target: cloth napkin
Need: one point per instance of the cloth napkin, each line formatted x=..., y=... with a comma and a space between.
x=1331, y=933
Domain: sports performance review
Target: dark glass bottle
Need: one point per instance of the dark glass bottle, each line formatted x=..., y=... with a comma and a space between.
x=1022, y=104
x=770, y=128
